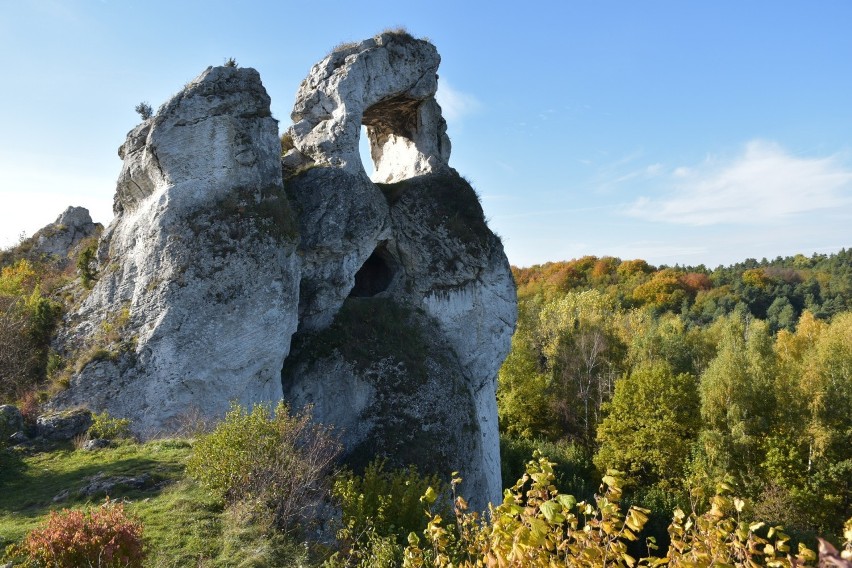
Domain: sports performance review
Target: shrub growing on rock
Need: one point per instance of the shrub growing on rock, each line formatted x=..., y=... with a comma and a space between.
x=269, y=458
x=108, y=427
x=144, y=110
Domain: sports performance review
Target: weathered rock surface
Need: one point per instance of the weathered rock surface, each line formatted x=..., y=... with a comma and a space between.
x=420, y=243
x=384, y=374
x=403, y=297
x=198, y=271
x=59, y=238
x=388, y=84
x=63, y=426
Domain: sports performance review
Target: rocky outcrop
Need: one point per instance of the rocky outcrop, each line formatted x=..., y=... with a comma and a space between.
x=63, y=426
x=198, y=271
x=419, y=244
x=60, y=238
x=11, y=421
x=388, y=84
x=403, y=297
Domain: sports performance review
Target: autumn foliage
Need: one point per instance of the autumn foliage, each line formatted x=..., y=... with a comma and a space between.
x=99, y=538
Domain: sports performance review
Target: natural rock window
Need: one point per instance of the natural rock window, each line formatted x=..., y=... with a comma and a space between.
x=375, y=275
x=406, y=136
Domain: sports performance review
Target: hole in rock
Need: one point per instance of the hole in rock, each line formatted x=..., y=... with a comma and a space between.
x=375, y=275
x=364, y=150
x=391, y=129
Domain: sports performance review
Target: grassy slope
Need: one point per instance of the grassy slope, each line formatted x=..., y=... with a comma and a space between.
x=184, y=525
x=182, y=522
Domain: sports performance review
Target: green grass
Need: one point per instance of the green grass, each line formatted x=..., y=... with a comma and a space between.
x=184, y=524
x=29, y=482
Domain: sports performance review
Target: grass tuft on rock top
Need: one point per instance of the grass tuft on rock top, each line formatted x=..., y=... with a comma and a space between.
x=451, y=203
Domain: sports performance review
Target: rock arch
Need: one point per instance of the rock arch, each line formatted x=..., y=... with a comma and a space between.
x=388, y=84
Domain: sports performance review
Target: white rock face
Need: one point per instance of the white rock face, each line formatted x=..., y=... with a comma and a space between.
x=386, y=83
x=420, y=242
x=198, y=271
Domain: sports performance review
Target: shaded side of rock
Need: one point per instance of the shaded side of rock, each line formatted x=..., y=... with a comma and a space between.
x=65, y=425
x=452, y=266
x=11, y=421
x=342, y=217
x=393, y=388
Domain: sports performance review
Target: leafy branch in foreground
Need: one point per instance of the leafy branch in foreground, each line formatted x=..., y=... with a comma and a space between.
x=538, y=526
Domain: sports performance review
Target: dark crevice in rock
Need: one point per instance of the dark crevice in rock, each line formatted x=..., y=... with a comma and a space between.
x=376, y=275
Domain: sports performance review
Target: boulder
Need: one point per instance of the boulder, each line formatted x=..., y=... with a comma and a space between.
x=96, y=444
x=11, y=421
x=65, y=425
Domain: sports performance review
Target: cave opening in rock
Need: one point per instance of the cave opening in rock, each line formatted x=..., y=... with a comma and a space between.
x=376, y=274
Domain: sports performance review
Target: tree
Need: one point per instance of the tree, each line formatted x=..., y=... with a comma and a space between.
x=522, y=397
x=650, y=426
x=144, y=110
x=664, y=290
x=737, y=401
x=583, y=354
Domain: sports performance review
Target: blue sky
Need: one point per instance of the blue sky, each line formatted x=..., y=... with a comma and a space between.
x=678, y=132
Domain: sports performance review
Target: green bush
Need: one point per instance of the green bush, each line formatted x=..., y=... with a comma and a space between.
x=389, y=500
x=88, y=255
x=109, y=428
x=573, y=466
x=378, y=510
x=268, y=458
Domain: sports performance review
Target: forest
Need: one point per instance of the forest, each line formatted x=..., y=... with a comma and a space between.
x=685, y=378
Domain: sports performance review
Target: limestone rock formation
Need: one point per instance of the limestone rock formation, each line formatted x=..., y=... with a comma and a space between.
x=59, y=238
x=11, y=421
x=403, y=298
x=387, y=83
x=419, y=243
x=198, y=276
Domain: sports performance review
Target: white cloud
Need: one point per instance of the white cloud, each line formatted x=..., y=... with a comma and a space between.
x=455, y=104
x=763, y=185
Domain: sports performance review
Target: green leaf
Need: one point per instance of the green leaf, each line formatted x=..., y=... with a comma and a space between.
x=431, y=496
x=568, y=502
x=551, y=510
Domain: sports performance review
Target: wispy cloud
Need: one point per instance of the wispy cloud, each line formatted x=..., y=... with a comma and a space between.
x=455, y=104
x=764, y=184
